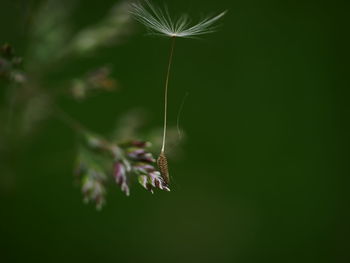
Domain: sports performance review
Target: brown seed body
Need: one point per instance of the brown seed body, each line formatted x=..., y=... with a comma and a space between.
x=162, y=163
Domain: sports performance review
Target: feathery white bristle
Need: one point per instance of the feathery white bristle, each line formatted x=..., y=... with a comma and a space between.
x=160, y=22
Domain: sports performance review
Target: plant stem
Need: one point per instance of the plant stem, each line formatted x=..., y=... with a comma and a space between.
x=69, y=121
x=166, y=93
x=111, y=148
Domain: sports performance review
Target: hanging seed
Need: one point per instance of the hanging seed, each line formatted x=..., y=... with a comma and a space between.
x=162, y=163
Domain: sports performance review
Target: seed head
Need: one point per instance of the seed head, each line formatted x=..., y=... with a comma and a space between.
x=162, y=163
x=159, y=21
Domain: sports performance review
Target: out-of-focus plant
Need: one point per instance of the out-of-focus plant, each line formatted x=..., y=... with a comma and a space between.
x=10, y=65
x=122, y=158
x=97, y=80
x=113, y=29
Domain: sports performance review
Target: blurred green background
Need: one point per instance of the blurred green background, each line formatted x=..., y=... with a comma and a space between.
x=264, y=172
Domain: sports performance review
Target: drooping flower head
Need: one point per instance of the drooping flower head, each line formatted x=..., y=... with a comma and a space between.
x=159, y=21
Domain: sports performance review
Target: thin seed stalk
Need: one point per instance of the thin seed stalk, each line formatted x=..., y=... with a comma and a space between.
x=166, y=93
x=162, y=161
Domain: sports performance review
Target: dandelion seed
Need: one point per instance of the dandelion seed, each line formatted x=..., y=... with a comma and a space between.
x=159, y=22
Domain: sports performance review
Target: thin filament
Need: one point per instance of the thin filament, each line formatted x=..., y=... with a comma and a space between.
x=179, y=131
x=166, y=93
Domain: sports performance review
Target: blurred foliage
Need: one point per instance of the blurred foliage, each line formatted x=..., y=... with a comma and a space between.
x=29, y=102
